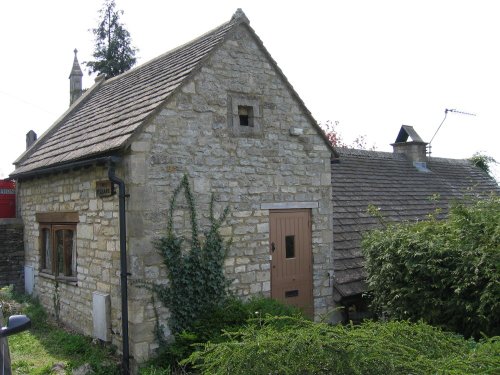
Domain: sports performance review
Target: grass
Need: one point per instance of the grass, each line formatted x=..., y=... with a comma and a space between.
x=35, y=352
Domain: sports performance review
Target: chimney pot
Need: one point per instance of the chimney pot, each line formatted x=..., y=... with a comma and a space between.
x=30, y=138
x=415, y=150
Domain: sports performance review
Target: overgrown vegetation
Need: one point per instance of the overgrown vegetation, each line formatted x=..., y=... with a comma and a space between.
x=483, y=162
x=292, y=345
x=197, y=284
x=230, y=316
x=445, y=272
x=197, y=291
x=45, y=345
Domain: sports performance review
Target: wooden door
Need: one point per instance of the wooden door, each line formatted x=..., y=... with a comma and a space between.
x=291, y=258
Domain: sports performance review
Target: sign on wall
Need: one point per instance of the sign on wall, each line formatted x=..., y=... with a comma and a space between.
x=104, y=188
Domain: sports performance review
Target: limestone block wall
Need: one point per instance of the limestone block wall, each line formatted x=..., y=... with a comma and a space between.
x=195, y=134
x=12, y=254
x=97, y=244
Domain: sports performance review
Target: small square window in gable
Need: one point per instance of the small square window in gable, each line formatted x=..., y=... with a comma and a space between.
x=244, y=115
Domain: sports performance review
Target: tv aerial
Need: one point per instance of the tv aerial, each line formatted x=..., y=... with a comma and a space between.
x=429, y=146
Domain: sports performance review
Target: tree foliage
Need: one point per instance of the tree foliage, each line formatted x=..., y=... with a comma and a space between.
x=483, y=161
x=334, y=137
x=113, y=53
x=444, y=272
x=292, y=345
x=197, y=283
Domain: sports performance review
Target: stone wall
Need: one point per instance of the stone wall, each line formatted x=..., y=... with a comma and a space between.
x=12, y=254
x=195, y=134
x=97, y=241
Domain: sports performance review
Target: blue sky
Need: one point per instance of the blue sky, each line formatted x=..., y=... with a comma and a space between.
x=370, y=65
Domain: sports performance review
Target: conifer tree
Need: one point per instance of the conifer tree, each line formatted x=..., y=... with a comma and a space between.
x=113, y=53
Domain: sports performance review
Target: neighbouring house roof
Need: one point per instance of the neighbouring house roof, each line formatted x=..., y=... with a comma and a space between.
x=392, y=183
x=110, y=112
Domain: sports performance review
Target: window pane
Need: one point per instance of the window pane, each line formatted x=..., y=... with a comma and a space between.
x=290, y=246
x=66, y=261
x=46, y=250
x=245, y=114
x=73, y=254
x=59, y=251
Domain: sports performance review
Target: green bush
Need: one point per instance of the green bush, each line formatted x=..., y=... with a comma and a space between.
x=483, y=162
x=293, y=345
x=444, y=272
x=211, y=327
x=266, y=306
x=7, y=301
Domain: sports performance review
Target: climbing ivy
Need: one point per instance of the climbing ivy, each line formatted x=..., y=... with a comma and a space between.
x=196, y=278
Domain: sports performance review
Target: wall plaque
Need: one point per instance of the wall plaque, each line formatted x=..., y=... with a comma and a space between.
x=104, y=188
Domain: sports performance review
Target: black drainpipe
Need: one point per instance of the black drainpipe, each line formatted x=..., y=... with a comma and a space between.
x=123, y=266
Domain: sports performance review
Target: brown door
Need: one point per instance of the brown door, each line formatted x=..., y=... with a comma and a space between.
x=291, y=258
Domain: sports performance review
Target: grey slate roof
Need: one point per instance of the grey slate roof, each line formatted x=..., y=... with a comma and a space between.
x=105, y=117
x=390, y=182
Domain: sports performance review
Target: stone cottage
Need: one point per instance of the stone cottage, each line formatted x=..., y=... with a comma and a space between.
x=405, y=185
x=94, y=189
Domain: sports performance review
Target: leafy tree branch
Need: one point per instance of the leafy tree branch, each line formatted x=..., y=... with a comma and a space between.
x=113, y=53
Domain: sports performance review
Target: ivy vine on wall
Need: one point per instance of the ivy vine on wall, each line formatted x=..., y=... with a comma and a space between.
x=196, y=277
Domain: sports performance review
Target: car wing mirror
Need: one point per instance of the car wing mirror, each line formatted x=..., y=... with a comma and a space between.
x=15, y=324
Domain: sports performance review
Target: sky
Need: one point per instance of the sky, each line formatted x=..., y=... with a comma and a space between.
x=369, y=66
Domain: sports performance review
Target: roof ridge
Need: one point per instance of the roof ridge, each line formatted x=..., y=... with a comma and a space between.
x=287, y=83
x=233, y=21
x=349, y=151
x=191, y=55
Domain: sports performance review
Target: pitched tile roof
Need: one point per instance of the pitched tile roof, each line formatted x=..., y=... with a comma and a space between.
x=390, y=182
x=105, y=117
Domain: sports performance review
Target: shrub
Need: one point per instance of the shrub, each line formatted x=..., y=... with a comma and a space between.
x=213, y=326
x=8, y=301
x=444, y=272
x=293, y=345
x=483, y=162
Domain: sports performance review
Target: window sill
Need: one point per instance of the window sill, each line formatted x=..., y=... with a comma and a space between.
x=62, y=279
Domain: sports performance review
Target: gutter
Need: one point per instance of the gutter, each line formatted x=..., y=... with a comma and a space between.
x=123, y=265
x=64, y=167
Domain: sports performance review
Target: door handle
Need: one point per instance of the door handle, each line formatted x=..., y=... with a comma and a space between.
x=273, y=247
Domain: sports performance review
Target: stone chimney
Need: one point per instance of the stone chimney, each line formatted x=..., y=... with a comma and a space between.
x=75, y=80
x=30, y=138
x=414, y=150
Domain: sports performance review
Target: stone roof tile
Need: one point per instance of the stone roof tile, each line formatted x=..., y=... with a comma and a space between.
x=104, y=119
x=401, y=192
